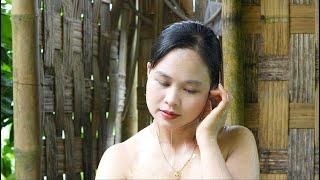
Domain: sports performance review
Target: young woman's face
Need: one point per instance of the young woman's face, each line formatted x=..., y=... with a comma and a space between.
x=177, y=88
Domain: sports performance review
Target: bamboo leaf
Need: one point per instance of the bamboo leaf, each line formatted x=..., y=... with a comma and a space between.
x=6, y=36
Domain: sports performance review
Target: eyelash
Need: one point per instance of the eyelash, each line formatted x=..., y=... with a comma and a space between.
x=167, y=84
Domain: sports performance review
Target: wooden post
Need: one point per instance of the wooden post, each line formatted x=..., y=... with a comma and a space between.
x=233, y=59
x=25, y=91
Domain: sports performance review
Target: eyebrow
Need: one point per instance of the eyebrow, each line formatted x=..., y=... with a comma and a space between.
x=196, y=82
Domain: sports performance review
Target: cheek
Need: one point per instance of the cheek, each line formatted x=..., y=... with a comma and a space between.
x=195, y=106
x=152, y=98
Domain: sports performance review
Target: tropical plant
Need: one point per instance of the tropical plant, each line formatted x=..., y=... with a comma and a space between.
x=7, y=155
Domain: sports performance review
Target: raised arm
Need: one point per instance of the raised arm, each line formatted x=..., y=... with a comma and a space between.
x=242, y=162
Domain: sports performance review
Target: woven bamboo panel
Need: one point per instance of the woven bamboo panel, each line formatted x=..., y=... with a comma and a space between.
x=273, y=115
x=316, y=131
x=255, y=132
x=275, y=26
x=302, y=68
x=252, y=53
x=301, y=18
x=273, y=118
x=251, y=115
x=78, y=161
x=316, y=114
x=317, y=90
x=250, y=2
x=273, y=176
x=275, y=162
x=316, y=25
x=73, y=77
x=301, y=115
x=301, y=2
x=273, y=68
x=301, y=154
x=49, y=102
x=251, y=18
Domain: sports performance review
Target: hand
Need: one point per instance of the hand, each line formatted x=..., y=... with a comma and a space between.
x=214, y=119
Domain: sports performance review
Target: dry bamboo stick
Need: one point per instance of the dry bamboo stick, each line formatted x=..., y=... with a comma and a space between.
x=130, y=119
x=25, y=93
x=121, y=78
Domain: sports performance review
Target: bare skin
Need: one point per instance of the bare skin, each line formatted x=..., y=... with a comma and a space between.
x=140, y=157
x=221, y=152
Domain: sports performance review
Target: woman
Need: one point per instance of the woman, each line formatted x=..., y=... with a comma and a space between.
x=187, y=139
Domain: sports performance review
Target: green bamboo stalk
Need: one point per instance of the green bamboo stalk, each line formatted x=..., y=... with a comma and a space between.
x=25, y=92
x=233, y=59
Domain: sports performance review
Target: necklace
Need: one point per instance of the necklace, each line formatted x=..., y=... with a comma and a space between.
x=177, y=173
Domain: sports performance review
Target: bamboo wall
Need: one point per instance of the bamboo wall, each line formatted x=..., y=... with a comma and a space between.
x=281, y=80
x=93, y=59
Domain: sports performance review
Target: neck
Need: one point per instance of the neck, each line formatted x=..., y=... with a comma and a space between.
x=177, y=138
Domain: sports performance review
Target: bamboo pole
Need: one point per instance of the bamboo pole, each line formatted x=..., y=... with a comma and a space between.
x=113, y=66
x=130, y=119
x=233, y=59
x=25, y=92
x=121, y=74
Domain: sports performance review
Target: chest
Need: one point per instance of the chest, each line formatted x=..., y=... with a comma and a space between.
x=154, y=166
x=147, y=162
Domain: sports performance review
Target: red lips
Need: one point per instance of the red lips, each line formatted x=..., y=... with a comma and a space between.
x=169, y=114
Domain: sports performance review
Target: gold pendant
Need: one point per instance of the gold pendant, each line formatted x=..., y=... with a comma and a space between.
x=177, y=174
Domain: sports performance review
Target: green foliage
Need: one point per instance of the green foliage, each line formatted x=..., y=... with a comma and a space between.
x=7, y=158
x=6, y=87
x=6, y=36
x=7, y=155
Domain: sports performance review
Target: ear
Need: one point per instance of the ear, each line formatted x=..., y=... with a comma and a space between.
x=148, y=68
x=215, y=96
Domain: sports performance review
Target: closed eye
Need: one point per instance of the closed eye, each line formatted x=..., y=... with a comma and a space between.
x=191, y=91
x=164, y=84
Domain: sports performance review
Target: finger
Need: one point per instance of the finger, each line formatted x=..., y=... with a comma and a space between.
x=216, y=112
x=224, y=93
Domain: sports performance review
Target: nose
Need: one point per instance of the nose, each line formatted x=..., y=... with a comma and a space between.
x=172, y=97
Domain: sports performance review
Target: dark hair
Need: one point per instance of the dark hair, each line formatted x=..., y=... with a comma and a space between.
x=192, y=35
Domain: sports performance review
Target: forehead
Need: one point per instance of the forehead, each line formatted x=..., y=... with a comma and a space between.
x=185, y=64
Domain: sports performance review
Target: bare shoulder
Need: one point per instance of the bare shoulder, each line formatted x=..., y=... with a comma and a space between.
x=238, y=132
x=112, y=163
x=239, y=138
x=243, y=159
x=137, y=140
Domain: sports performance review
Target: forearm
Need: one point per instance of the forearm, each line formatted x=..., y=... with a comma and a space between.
x=212, y=161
